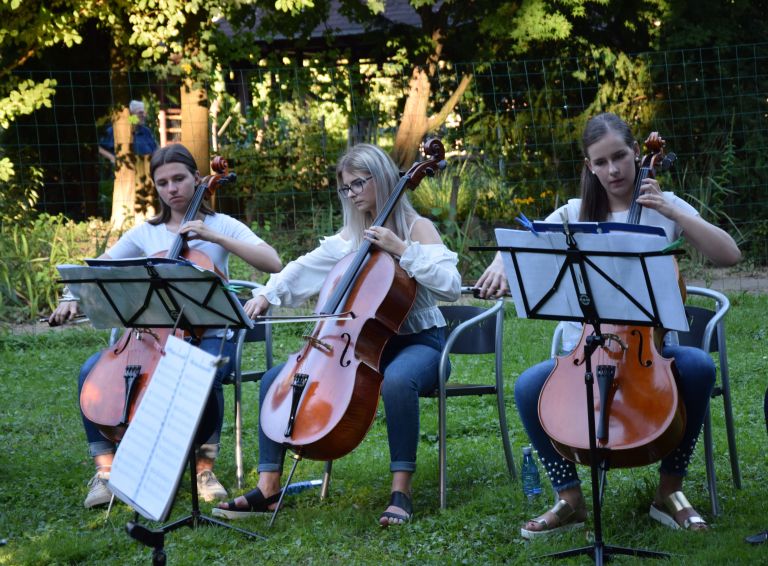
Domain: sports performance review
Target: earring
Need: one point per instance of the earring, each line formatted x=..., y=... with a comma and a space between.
x=637, y=159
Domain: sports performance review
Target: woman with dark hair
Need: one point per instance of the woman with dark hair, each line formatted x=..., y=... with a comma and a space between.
x=611, y=158
x=175, y=174
x=366, y=177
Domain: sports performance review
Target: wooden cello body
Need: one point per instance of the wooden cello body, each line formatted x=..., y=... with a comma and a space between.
x=645, y=418
x=324, y=400
x=639, y=415
x=115, y=386
x=341, y=363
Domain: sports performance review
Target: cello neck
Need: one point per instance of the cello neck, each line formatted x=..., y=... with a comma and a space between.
x=177, y=248
x=635, y=209
x=336, y=299
x=429, y=167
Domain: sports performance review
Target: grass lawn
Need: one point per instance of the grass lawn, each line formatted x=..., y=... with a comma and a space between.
x=44, y=468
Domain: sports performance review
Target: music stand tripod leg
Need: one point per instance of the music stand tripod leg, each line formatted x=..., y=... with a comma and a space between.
x=196, y=518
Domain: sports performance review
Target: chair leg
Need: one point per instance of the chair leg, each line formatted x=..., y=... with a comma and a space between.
x=326, y=479
x=729, y=426
x=441, y=455
x=238, y=434
x=505, y=432
x=710, y=464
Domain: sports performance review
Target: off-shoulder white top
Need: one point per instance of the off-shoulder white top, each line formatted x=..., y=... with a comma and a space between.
x=433, y=266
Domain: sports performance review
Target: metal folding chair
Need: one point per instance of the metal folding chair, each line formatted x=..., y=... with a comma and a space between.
x=472, y=330
x=707, y=331
x=240, y=375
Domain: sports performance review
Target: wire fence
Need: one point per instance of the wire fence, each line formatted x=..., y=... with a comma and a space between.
x=285, y=127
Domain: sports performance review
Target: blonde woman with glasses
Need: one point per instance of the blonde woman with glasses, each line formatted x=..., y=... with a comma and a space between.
x=366, y=176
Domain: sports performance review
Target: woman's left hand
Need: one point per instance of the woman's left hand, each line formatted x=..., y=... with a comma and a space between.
x=197, y=230
x=652, y=197
x=385, y=239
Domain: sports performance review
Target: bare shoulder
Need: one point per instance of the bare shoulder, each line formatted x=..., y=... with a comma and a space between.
x=424, y=231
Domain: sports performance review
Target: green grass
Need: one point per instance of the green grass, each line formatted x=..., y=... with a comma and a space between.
x=44, y=468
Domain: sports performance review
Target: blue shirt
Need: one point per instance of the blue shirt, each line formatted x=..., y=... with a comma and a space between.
x=143, y=141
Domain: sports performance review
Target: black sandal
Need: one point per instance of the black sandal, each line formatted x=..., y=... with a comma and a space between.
x=257, y=505
x=397, y=499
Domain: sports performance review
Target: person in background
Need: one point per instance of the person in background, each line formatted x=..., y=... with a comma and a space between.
x=142, y=139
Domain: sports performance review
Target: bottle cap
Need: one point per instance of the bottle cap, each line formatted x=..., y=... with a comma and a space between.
x=527, y=450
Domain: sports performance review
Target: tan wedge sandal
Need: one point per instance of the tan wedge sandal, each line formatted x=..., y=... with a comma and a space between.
x=673, y=503
x=568, y=519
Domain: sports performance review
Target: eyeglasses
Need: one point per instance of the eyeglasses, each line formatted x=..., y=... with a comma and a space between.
x=355, y=187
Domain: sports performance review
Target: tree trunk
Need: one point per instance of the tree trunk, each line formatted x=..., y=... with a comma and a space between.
x=194, y=123
x=124, y=189
x=413, y=125
x=132, y=192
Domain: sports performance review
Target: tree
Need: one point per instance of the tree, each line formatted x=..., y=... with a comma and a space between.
x=168, y=38
x=420, y=49
x=27, y=29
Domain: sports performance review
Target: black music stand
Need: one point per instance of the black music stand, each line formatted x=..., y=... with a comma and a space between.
x=592, y=285
x=158, y=293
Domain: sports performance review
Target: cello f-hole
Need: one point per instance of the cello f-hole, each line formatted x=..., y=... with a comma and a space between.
x=343, y=362
x=641, y=348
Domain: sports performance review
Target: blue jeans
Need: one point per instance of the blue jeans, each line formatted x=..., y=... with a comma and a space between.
x=209, y=431
x=696, y=372
x=410, y=368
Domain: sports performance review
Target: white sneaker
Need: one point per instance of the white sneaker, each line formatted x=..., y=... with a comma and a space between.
x=98, y=492
x=208, y=487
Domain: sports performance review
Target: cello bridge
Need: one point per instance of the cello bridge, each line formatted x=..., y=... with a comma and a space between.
x=318, y=343
x=618, y=339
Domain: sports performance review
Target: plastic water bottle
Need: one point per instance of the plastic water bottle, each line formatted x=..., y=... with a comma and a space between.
x=529, y=475
x=299, y=486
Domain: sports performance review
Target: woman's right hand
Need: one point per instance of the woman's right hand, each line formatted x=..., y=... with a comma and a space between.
x=493, y=282
x=65, y=311
x=256, y=306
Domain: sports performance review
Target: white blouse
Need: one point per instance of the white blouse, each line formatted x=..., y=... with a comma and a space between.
x=649, y=217
x=433, y=266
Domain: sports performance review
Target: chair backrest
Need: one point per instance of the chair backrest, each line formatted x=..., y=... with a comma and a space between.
x=706, y=325
x=479, y=338
x=259, y=332
x=698, y=318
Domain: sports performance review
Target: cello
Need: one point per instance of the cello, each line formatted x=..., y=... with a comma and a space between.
x=324, y=400
x=638, y=410
x=114, y=387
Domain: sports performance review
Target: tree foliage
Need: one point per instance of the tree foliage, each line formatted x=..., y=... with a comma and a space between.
x=27, y=29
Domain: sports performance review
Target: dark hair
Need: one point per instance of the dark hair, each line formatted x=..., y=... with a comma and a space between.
x=174, y=153
x=594, y=200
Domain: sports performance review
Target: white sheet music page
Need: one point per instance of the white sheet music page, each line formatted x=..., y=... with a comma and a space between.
x=154, y=451
x=536, y=272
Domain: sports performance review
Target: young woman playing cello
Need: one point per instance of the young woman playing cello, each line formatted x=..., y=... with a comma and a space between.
x=366, y=176
x=611, y=157
x=175, y=174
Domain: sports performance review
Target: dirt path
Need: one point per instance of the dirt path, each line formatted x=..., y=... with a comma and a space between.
x=726, y=281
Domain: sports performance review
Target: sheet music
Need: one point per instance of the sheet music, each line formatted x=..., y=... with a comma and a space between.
x=152, y=455
x=538, y=272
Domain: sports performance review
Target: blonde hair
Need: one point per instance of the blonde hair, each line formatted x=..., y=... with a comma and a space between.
x=365, y=159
